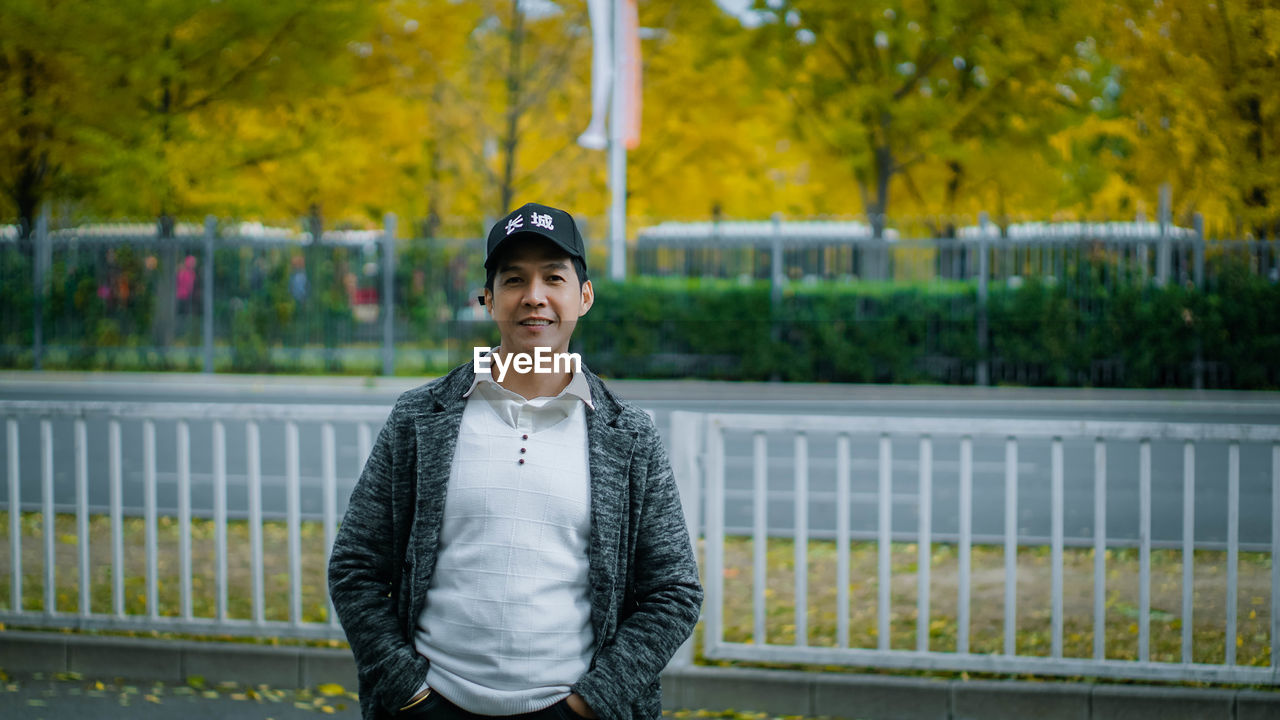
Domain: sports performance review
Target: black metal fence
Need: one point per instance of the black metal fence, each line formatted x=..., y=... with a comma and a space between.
x=1110, y=253
x=232, y=297
x=220, y=296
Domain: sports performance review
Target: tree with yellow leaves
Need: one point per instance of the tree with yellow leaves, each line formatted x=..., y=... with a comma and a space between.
x=1201, y=104
x=48, y=83
x=906, y=84
x=173, y=70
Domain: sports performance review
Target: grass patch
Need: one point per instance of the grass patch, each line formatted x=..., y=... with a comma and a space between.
x=1033, y=635
x=1034, y=602
x=275, y=567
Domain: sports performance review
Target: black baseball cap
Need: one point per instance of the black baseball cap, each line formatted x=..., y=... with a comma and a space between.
x=533, y=218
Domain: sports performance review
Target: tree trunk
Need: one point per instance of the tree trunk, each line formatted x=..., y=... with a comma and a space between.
x=32, y=162
x=430, y=224
x=1255, y=197
x=162, y=316
x=515, y=88
x=311, y=255
x=884, y=169
x=879, y=210
x=953, y=192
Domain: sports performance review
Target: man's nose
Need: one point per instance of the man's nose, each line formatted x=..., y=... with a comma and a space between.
x=535, y=293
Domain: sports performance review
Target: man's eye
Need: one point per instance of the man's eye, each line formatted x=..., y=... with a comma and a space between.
x=511, y=280
x=555, y=278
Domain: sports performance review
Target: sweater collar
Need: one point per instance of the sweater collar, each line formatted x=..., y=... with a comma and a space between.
x=577, y=386
x=449, y=393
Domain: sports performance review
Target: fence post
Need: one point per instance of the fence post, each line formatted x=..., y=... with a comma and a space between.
x=42, y=256
x=983, y=369
x=388, y=293
x=1163, y=256
x=1198, y=250
x=776, y=276
x=1141, y=248
x=686, y=447
x=210, y=226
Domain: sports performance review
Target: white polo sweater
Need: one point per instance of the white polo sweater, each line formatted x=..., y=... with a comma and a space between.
x=507, y=622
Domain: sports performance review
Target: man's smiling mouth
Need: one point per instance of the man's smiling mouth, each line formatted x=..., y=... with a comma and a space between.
x=535, y=323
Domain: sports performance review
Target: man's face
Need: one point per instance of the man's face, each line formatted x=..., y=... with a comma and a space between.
x=536, y=299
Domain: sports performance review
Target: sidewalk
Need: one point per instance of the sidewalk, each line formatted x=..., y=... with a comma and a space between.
x=69, y=696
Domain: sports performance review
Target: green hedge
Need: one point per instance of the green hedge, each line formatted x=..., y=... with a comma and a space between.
x=725, y=330
x=1074, y=333
x=1038, y=334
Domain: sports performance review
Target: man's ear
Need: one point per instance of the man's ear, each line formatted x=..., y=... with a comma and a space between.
x=488, y=301
x=588, y=297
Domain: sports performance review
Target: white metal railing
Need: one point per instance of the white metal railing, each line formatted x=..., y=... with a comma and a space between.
x=699, y=459
x=319, y=423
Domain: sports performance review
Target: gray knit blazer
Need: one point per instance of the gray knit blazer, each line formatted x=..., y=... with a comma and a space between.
x=645, y=594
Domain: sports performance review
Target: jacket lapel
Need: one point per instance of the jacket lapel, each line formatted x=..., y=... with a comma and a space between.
x=610, y=448
x=437, y=434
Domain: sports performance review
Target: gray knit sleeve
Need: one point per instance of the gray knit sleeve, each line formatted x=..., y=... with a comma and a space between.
x=364, y=569
x=662, y=602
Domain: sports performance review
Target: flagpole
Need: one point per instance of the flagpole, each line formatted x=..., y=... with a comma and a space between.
x=618, y=148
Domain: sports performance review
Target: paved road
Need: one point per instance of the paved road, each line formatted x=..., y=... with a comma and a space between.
x=664, y=397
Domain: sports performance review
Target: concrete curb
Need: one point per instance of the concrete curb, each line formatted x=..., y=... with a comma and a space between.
x=174, y=661
x=777, y=692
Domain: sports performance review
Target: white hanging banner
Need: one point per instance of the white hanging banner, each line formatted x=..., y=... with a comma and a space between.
x=596, y=136
x=631, y=74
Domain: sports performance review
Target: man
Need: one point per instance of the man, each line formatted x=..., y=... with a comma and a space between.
x=515, y=545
